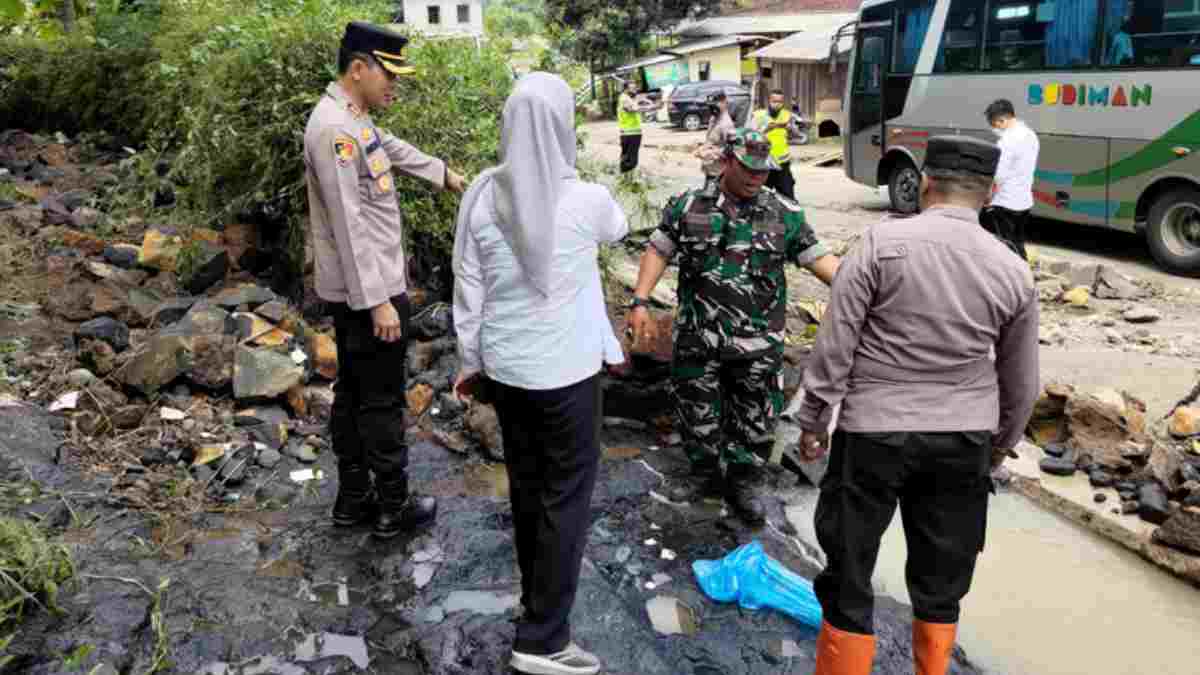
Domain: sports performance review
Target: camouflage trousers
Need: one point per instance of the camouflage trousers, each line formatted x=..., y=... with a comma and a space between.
x=727, y=409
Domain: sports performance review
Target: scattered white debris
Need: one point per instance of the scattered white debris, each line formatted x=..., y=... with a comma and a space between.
x=343, y=593
x=790, y=648
x=67, y=401
x=436, y=411
x=172, y=414
x=655, y=527
x=651, y=542
x=652, y=470
x=668, y=554
x=653, y=447
x=298, y=356
x=305, y=475
x=260, y=446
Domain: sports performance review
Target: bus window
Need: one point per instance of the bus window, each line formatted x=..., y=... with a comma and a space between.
x=1153, y=33
x=1040, y=34
x=914, y=23
x=870, y=72
x=959, y=50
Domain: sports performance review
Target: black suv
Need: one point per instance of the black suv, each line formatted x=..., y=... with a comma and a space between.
x=689, y=103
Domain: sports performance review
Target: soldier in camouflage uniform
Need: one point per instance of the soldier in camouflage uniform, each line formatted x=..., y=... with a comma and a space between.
x=733, y=238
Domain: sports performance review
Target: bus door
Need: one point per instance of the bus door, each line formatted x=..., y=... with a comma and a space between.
x=871, y=57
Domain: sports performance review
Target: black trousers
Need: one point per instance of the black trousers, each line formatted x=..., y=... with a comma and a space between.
x=941, y=481
x=630, y=146
x=552, y=449
x=1007, y=225
x=782, y=181
x=367, y=423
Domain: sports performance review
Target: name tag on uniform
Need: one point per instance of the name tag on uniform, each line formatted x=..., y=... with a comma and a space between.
x=892, y=251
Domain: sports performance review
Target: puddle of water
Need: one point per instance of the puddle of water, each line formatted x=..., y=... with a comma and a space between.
x=317, y=646
x=284, y=569
x=622, y=453
x=486, y=480
x=338, y=595
x=1052, y=598
x=480, y=602
x=262, y=665
x=669, y=616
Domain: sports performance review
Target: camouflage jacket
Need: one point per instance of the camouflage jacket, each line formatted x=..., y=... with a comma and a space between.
x=732, y=287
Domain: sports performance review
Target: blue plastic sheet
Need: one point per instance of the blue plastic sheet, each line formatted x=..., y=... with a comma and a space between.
x=755, y=580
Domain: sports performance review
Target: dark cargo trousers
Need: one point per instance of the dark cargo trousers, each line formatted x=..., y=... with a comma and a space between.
x=367, y=422
x=941, y=482
x=727, y=408
x=552, y=452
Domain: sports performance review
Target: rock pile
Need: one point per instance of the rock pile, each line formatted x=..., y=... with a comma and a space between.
x=1103, y=434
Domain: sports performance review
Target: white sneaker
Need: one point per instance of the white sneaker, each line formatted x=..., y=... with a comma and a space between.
x=570, y=661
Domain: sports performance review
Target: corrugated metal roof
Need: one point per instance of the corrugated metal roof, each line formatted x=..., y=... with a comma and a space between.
x=808, y=47
x=648, y=61
x=693, y=46
x=778, y=23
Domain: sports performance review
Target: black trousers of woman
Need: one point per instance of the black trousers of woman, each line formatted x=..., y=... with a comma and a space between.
x=552, y=449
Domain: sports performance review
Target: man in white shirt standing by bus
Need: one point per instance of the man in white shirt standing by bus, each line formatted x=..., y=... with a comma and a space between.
x=1007, y=214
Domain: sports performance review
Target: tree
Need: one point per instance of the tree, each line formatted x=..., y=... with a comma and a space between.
x=607, y=32
x=515, y=18
x=37, y=12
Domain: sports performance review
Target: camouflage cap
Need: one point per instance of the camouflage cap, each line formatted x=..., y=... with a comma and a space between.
x=752, y=149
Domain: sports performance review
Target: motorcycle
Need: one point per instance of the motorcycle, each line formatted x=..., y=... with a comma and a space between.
x=798, y=127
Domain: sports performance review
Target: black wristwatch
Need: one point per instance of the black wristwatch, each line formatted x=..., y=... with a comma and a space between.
x=639, y=302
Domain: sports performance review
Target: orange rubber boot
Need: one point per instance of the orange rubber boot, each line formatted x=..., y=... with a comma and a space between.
x=932, y=644
x=843, y=653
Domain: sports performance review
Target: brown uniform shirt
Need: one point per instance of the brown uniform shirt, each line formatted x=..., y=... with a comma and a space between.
x=933, y=327
x=357, y=233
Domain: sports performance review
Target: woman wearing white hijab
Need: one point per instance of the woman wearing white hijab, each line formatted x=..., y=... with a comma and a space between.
x=529, y=313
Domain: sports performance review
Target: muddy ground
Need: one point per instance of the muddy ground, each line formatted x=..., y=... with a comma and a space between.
x=248, y=590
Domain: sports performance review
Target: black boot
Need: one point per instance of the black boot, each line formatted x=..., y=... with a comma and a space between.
x=399, y=510
x=704, y=481
x=742, y=493
x=355, y=499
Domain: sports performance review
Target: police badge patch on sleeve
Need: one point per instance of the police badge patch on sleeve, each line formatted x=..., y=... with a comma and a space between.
x=344, y=149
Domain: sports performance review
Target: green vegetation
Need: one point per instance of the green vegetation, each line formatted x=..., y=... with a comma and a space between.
x=31, y=570
x=222, y=89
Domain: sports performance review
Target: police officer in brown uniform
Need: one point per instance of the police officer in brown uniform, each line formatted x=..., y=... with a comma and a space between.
x=360, y=271
x=930, y=346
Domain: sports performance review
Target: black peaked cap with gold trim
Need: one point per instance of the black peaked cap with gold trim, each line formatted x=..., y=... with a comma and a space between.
x=387, y=46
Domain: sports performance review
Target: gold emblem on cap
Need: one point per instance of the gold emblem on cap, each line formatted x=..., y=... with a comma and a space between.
x=377, y=165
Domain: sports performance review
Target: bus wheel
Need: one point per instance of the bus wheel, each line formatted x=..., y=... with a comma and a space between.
x=1173, y=231
x=904, y=187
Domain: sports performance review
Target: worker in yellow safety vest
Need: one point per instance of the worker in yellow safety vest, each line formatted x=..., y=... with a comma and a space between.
x=629, y=120
x=773, y=122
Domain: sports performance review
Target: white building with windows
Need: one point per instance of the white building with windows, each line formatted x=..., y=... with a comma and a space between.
x=445, y=17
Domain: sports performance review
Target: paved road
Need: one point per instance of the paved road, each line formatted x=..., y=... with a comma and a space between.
x=840, y=208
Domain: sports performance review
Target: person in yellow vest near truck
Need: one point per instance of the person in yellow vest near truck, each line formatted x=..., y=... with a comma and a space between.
x=773, y=123
x=629, y=120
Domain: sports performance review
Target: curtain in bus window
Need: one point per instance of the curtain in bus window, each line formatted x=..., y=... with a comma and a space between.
x=1118, y=50
x=915, y=25
x=1070, y=38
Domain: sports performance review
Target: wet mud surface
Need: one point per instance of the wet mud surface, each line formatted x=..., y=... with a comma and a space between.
x=283, y=591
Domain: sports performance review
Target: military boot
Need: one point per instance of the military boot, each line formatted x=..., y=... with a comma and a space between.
x=400, y=510
x=742, y=487
x=704, y=481
x=355, y=499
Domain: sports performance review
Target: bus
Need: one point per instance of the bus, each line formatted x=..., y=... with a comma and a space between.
x=1112, y=88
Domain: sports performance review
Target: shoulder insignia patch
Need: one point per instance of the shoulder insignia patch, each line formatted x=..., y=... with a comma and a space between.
x=384, y=182
x=344, y=149
x=366, y=135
